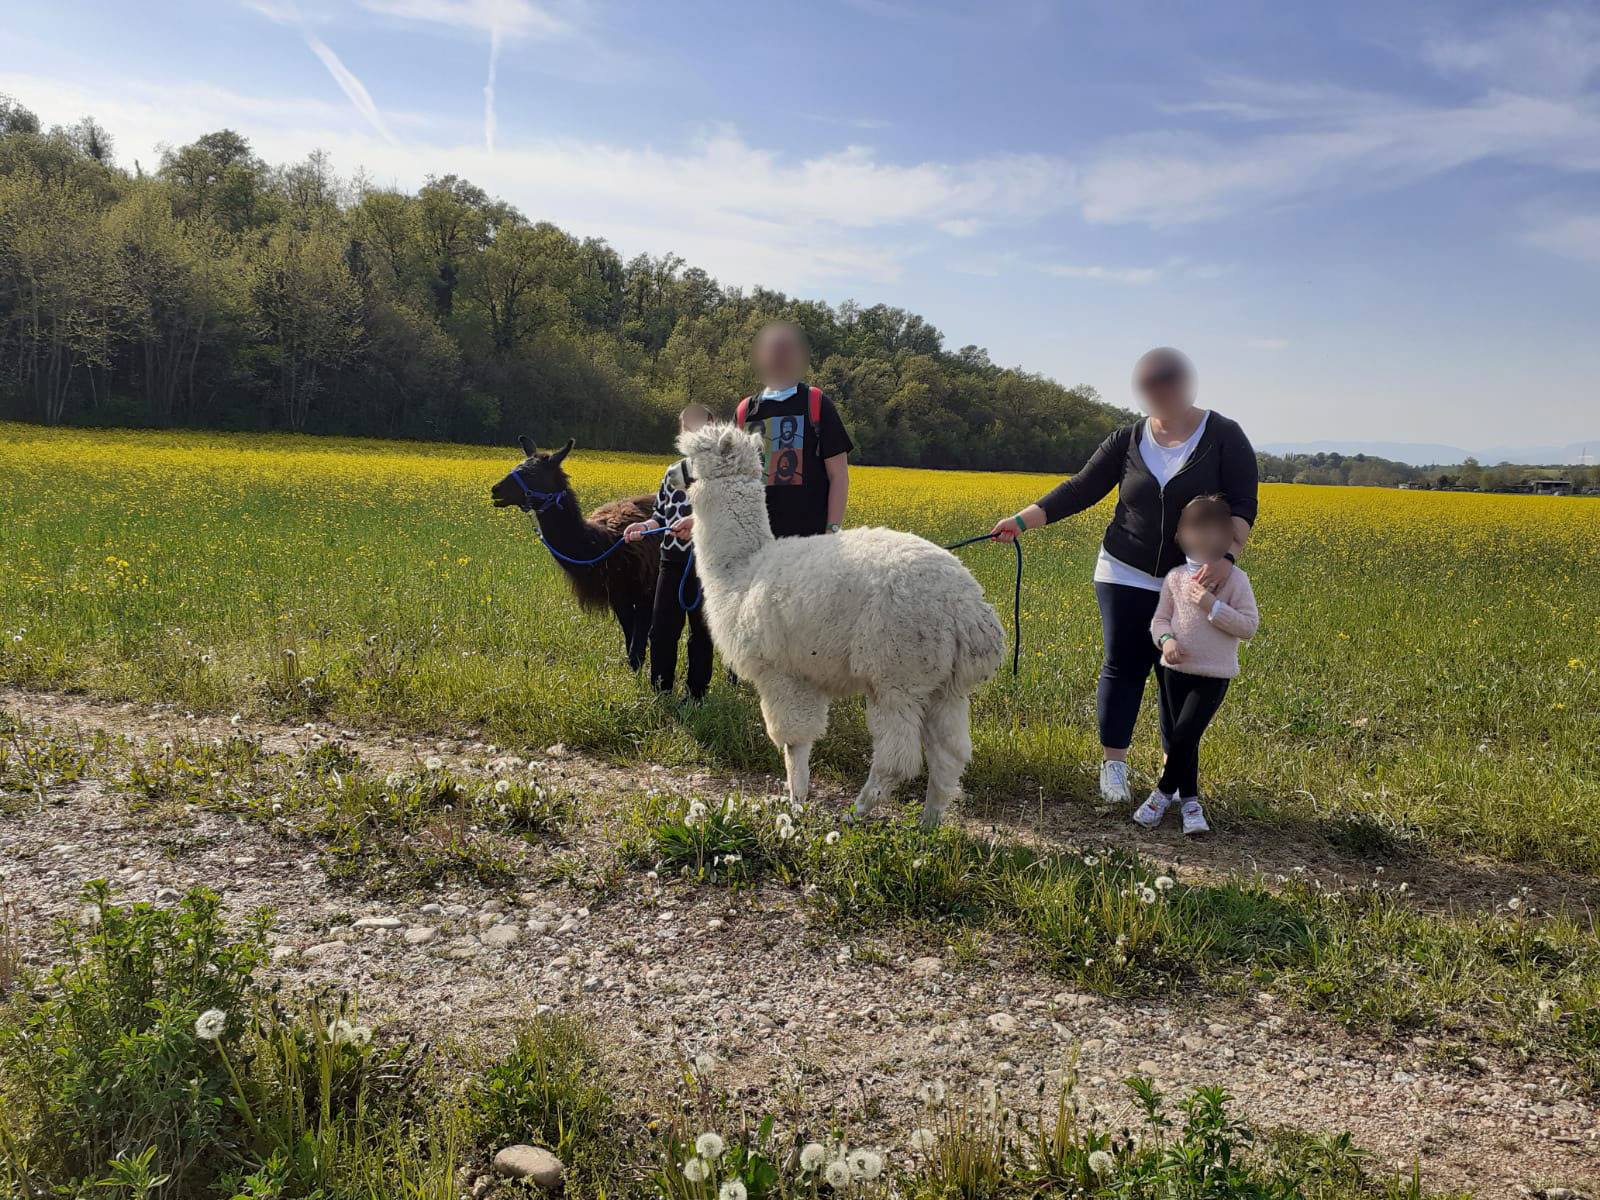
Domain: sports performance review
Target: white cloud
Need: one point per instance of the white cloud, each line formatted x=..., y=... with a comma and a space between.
x=501, y=20
x=1554, y=52
x=354, y=90
x=1108, y=274
x=1166, y=179
x=1571, y=235
x=288, y=12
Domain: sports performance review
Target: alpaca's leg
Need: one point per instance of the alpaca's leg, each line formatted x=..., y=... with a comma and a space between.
x=947, y=745
x=796, y=715
x=895, y=721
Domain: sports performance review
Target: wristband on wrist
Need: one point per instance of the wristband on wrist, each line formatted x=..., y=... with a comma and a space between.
x=1022, y=526
x=1228, y=554
x=1165, y=638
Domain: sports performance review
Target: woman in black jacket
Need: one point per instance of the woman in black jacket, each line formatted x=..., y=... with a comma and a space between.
x=1157, y=466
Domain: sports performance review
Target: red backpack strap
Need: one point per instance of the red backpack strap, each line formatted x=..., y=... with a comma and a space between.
x=814, y=407
x=741, y=412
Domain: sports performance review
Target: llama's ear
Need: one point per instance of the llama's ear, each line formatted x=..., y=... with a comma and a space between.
x=528, y=448
x=727, y=441
x=563, y=452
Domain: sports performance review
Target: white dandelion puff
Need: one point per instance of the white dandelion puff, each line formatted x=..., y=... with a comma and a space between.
x=704, y=1063
x=732, y=1190
x=209, y=1025
x=812, y=1155
x=922, y=1140
x=864, y=1164
x=1164, y=883
x=1148, y=895
x=833, y=837
x=433, y=762
x=502, y=786
x=932, y=1092
x=838, y=1174
x=1101, y=1163
x=708, y=1146
x=696, y=1170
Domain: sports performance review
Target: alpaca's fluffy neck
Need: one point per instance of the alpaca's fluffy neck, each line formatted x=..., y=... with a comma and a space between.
x=730, y=527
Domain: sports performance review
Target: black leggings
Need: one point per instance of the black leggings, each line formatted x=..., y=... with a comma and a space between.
x=1188, y=702
x=1125, y=614
x=666, y=624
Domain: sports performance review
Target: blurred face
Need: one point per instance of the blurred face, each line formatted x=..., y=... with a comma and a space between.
x=780, y=356
x=1205, y=541
x=1165, y=383
x=692, y=419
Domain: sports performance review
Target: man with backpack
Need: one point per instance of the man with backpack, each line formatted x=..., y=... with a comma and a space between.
x=805, y=444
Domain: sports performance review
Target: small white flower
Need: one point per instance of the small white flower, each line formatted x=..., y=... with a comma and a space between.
x=733, y=858
x=1514, y=903
x=696, y=1169
x=732, y=1190
x=1148, y=895
x=932, y=1092
x=502, y=786
x=812, y=1155
x=864, y=1164
x=1101, y=1163
x=1091, y=860
x=833, y=836
x=922, y=1140
x=838, y=1174
x=210, y=1025
x=1164, y=883
x=708, y=1146
x=433, y=762
x=695, y=814
x=235, y=719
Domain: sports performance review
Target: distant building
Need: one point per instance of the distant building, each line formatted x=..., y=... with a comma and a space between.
x=1551, y=487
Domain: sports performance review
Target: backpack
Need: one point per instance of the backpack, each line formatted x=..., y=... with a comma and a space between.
x=813, y=409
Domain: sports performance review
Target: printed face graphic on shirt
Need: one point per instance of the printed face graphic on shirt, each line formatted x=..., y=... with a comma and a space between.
x=786, y=451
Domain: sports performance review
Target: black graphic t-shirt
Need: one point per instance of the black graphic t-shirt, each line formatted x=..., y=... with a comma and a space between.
x=797, y=482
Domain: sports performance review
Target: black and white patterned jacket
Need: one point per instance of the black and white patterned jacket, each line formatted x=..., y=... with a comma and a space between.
x=672, y=505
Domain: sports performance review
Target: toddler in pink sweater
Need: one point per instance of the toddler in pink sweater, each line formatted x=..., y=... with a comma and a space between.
x=1198, y=632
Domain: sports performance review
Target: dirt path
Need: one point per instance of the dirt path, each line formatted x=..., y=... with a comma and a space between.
x=670, y=970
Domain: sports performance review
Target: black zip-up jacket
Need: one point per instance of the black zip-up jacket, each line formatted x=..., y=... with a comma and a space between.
x=1141, y=531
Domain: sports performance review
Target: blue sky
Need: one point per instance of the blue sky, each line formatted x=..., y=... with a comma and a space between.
x=1363, y=220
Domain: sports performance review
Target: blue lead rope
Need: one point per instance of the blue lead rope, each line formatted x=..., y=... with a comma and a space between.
x=1016, y=595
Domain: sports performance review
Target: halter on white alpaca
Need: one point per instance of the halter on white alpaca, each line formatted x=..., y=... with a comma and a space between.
x=808, y=620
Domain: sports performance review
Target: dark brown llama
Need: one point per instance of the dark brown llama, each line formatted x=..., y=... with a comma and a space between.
x=625, y=582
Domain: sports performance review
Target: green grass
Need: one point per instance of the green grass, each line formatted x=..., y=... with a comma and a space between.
x=1113, y=922
x=1426, y=663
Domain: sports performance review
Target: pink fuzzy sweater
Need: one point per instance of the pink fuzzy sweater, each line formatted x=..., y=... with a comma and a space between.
x=1208, y=634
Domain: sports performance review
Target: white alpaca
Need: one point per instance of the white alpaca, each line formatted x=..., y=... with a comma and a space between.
x=810, y=619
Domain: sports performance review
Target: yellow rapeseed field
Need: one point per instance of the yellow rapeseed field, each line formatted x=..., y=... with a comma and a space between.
x=1426, y=669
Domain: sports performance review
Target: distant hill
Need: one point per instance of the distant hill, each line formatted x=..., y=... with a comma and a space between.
x=1422, y=454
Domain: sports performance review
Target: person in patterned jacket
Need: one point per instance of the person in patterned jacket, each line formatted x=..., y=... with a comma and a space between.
x=674, y=514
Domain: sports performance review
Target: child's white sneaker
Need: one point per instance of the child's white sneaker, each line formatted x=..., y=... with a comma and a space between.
x=1194, y=818
x=1149, y=813
x=1114, y=782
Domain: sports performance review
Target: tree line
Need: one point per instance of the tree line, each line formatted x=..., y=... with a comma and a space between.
x=1368, y=470
x=221, y=292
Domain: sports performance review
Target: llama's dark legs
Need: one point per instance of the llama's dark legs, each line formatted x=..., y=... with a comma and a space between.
x=627, y=617
x=639, y=635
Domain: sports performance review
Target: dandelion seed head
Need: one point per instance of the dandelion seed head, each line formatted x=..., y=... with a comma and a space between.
x=433, y=762
x=732, y=1190
x=708, y=1146
x=812, y=1155
x=1164, y=883
x=922, y=1140
x=696, y=1170
x=210, y=1025
x=864, y=1164
x=838, y=1174
x=1101, y=1163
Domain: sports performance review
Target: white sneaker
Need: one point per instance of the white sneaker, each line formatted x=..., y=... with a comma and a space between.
x=1194, y=818
x=1114, y=782
x=1149, y=813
